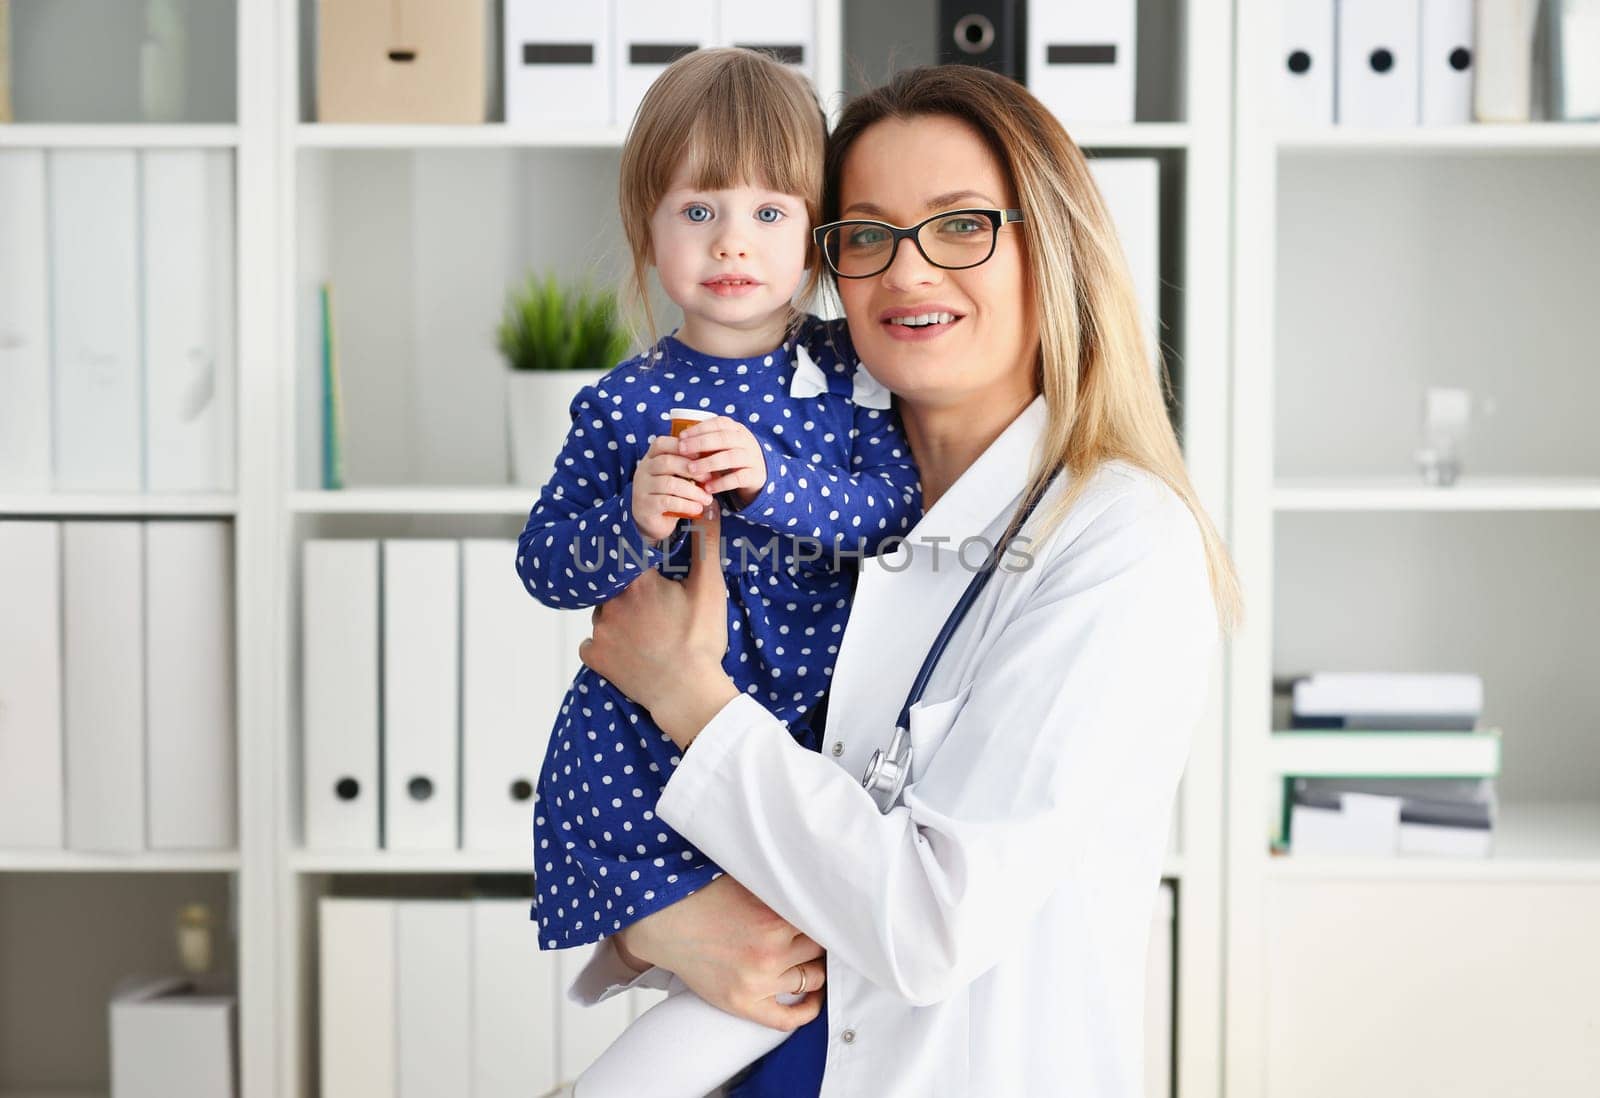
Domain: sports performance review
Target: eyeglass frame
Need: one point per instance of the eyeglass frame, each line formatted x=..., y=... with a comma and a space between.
x=998, y=219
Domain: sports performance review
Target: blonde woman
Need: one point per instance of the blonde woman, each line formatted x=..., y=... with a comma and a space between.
x=985, y=935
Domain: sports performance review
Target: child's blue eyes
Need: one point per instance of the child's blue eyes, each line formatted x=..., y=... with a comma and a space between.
x=699, y=214
x=777, y=215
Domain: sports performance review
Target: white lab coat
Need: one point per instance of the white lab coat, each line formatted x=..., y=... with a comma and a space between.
x=988, y=936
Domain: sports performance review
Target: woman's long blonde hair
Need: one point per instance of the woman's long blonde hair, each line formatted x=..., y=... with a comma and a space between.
x=739, y=117
x=1094, y=364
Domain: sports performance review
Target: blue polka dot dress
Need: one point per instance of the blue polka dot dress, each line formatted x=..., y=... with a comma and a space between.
x=840, y=482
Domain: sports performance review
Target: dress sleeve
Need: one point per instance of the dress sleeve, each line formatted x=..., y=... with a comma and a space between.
x=1060, y=768
x=581, y=545
x=877, y=498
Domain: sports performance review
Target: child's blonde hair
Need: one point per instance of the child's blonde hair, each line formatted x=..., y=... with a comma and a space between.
x=739, y=118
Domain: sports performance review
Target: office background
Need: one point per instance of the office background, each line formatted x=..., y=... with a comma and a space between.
x=1315, y=266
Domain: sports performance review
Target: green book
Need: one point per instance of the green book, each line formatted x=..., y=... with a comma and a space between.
x=332, y=399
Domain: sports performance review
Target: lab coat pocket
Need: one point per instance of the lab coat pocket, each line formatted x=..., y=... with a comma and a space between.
x=931, y=722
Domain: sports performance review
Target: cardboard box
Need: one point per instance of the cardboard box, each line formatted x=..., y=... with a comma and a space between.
x=412, y=61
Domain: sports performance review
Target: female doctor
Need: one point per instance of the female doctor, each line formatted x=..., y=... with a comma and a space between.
x=986, y=934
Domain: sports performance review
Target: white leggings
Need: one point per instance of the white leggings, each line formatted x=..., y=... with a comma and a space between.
x=683, y=1047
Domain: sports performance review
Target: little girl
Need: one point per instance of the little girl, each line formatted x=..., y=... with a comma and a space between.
x=720, y=184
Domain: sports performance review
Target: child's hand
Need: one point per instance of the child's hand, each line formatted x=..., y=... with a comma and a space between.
x=663, y=490
x=725, y=450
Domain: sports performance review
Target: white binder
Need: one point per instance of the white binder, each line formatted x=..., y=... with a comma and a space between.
x=558, y=59
x=24, y=325
x=514, y=1001
x=358, y=997
x=511, y=691
x=94, y=234
x=1081, y=59
x=586, y=1031
x=433, y=1015
x=1504, y=33
x=1378, y=62
x=339, y=694
x=102, y=569
x=1158, y=998
x=1446, y=59
x=787, y=30
x=1303, y=87
x=189, y=683
x=650, y=35
x=188, y=311
x=30, y=686
x=1131, y=188
x=421, y=695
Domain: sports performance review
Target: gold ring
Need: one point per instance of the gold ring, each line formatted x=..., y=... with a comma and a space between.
x=804, y=980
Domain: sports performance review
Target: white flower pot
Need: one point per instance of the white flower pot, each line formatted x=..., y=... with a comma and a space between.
x=537, y=403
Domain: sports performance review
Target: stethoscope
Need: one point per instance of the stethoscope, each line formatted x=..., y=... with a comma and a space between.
x=889, y=767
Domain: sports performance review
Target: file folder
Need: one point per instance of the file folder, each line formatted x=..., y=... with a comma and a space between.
x=1081, y=61
x=985, y=33
x=1378, y=81
x=514, y=1002
x=786, y=31
x=1446, y=58
x=98, y=398
x=24, y=324
x=586, y=1031
x=189, y=681
x=188, y=328
x=421, y=694
x=558, y=63
x=339, y=694
x=650, y=35
x=102, y=566
x=1504, y=32
x=358, y=998
x=1305, y=63
x=512, y=656
x=1131, y=188
x=31, y=788
x=433, y=985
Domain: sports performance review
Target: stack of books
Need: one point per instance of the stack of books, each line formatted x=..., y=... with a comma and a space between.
x=1385, y=765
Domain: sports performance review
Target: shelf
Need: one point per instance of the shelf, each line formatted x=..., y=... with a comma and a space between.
x=147, y=136
x=488, y=135
x=72, y=861
x=416, y=501
x=1485, y=138
x=396, y=861
x=1408, y=494
x=45, y=503
x=1541, y=841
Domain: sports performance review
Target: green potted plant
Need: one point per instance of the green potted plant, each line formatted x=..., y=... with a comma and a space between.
x=556, y=339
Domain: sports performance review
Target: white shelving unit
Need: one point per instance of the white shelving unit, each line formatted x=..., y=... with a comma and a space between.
x=1369, y=265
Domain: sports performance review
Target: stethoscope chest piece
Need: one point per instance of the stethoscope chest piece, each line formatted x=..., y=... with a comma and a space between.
x=887, y=770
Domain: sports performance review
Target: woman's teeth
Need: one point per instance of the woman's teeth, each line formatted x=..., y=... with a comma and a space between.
x=923, y=320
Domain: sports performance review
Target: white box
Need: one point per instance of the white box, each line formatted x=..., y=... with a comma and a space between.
x=514, y=1003
x=787, y=29
x=558, y=63
x=189, y=684
x=1132, y=192
x=339, y=694
x=358, y=998
x=167, y=1043
x=1379, y=79
x=650, y=35
x=103, y=624
x=421, y=694
x=1081, y=60
x=433, y=1015
x=98, y=402
x=31, y=786
x=1304, y=65
x=24, y=324
x=512, y=686
x=188, y=320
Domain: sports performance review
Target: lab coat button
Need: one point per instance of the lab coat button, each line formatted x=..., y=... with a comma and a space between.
x=848, y=1036
x=838, y=749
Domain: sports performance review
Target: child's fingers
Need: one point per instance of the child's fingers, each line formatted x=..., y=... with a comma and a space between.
x=677, y=494
x=713, y=434
x=740, y=478
x=667, y=464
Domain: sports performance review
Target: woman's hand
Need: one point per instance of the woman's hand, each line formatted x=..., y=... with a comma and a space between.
x=663, y=485
x=661, y=642
x=733, y=951
x=727, y=451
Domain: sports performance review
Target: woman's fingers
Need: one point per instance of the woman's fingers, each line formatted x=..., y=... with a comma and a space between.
x=803, y=949
x=815, y=975
x=786, y=1019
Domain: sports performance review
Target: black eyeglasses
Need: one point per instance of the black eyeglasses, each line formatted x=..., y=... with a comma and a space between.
x=954, y=240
